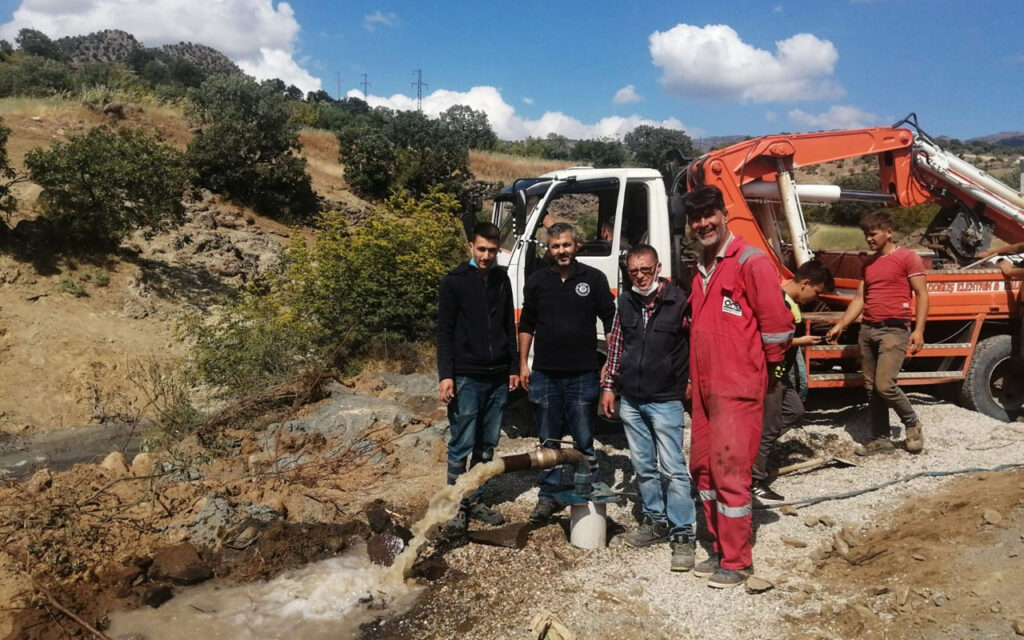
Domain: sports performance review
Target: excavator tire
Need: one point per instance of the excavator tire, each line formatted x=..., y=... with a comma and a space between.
x=995, y=380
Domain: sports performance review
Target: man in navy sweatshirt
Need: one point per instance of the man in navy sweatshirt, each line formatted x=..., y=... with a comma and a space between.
x=477, y=363
x=561, y=306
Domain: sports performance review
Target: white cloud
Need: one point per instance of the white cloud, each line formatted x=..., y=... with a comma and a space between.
x=626, y=95
x=255, y=34
x=771, y=116
x=379, y=19
x=837, y=117
x=510, y=126
x=527, y=100
x=778, y=8
x=713, y=62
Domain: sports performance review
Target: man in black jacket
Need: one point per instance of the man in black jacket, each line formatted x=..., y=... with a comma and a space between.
x=561, y=305
x=648, y=356
x=476, y=363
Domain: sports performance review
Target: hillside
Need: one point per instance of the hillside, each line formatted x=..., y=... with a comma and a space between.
x=113, y=45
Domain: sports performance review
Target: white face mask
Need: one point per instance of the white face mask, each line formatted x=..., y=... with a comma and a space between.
x=652, y=287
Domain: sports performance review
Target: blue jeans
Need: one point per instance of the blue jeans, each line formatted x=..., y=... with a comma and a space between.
x=564, y=403
x=474, y=417
x=655, y=434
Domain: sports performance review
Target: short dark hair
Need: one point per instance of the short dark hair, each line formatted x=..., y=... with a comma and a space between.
x=642, y=249
x=816, y=273
x=487, y=231
x=703, y=200
x=559, y=228
x=875, y=220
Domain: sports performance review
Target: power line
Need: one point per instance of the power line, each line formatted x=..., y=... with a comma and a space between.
x=419, y=84
x=366, y=87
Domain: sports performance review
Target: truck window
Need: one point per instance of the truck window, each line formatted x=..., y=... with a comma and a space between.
x=636, y=225
x=588, y=205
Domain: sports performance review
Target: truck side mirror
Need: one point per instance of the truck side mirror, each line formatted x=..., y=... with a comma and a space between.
x=468, y=219
x=519, y=212
x=676, y=219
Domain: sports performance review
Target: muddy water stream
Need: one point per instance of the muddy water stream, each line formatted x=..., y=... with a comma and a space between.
x=327, y=600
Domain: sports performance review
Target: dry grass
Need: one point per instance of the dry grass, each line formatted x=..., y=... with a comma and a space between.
x=320, y=148
x=502, y=167
x=838, y=237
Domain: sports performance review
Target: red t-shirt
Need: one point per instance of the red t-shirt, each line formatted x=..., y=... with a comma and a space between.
x=887, y=291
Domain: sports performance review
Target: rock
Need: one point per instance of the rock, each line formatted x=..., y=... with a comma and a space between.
x=756, y=584
x=143, y=465
x=513, y=536
x=1018, y=626
x=867, y=615
x=878, y=590
x=846, y=532
x=430, y=569
x=793, y=542
x=383, y=548
x=115, y=464
x=157, y=596
x=275, y=503
x=991, y=516
x=918, y=557
x=810, y=521
x=840, y=545
x=39, y=482
x=828, y=521
x=379, y=520
x=114, y=109
x=181, y=564
x=788, y=510
x=901, y=595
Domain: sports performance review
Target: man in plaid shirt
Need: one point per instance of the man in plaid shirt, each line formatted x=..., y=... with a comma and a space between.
x=648, y=355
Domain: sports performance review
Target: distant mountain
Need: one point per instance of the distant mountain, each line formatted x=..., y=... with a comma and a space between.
x=1013, y=139
x=114, y=45
x=707, y=143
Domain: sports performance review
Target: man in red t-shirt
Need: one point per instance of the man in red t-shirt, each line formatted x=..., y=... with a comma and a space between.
x=884, y=295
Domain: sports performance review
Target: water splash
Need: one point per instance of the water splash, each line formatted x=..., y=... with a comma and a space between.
x=443, y=505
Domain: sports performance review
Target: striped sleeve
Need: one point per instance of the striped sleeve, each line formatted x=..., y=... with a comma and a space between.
x=774, y=320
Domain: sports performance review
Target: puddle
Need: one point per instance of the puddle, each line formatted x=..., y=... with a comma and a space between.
x=326, y=600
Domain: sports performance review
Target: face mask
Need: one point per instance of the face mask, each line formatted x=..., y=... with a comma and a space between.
x=651, y=289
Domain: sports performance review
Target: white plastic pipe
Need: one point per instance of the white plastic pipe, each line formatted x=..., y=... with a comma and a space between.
x=805, y=192
x=794, y=216
x=588, y=528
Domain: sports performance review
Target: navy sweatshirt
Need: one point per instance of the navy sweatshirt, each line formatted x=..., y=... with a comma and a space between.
x=562, y=317
x=476, y=331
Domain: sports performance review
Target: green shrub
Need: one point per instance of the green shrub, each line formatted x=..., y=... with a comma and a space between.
x=27, y=75
x=97, y=276
x=101, y=185
x=8, y=176
x=336, y=297
x=247, y=147
x=67, y=285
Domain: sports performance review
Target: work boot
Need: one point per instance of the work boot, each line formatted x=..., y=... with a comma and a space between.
x=649, y=532
x=481, y=512
x=683, y=552
x=763, y=493
x=915, y=439
x=876, y=446
x=729, y=578
x=459, y=524
x=543, y=512
x=707, y=568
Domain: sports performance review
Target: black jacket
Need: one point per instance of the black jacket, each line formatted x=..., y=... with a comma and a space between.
x=476, y=330
x=654, y=366
x=562, y=317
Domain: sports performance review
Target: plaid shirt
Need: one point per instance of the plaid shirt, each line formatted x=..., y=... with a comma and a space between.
x=611, y=372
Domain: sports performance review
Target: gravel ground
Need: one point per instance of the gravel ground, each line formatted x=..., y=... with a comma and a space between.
x=596, y=592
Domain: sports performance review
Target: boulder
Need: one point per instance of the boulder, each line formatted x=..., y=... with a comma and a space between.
x=39, y=482
x=115, y=464
x=143, y=465
x=181, y=564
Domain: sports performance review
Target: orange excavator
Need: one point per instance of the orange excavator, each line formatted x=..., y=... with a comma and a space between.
x=974, y=334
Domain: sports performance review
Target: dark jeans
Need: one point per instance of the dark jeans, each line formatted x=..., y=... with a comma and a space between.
x=474, y=416
x=783, y=408
x=882, y=351
x=564, y=403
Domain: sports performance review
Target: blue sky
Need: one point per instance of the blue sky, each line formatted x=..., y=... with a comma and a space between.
x=536, y=67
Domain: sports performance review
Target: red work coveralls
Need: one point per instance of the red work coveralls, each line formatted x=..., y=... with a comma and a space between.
x=740, y=322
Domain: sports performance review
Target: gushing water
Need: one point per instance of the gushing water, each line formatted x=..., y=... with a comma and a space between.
x=443, y=505
x=326, y=600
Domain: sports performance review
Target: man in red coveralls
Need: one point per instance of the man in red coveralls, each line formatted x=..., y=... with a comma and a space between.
x=740, y=332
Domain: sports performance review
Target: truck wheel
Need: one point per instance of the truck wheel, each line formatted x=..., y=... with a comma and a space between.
x=995, y=380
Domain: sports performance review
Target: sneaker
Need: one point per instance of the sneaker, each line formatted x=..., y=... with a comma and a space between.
x=484, y=514
x=707, y=568
x=683, y=550
x=762, y=492
x=648, y=533
x=915, y=439
x=544, y=511
x=729, y=578
x=876, y=446
x=459, y=524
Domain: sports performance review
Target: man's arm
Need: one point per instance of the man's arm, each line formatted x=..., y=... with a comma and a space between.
x=525, y=340
x=513, y=345
x=1017, y=247
x=447, y=313
x=920, y=288
x=527, y=325
x=852, y=312
x=610, y=371
x=1009, y=270
x=774, y=319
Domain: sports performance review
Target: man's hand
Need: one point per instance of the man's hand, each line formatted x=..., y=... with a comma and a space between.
x=806, y=341
x=524, y=376
x=446, y=389
x=1005, y=266
x=607, y=403
x=833, y=333
x=513, y=383
x=916, y=341
x=688, y=392
x=986, y=254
